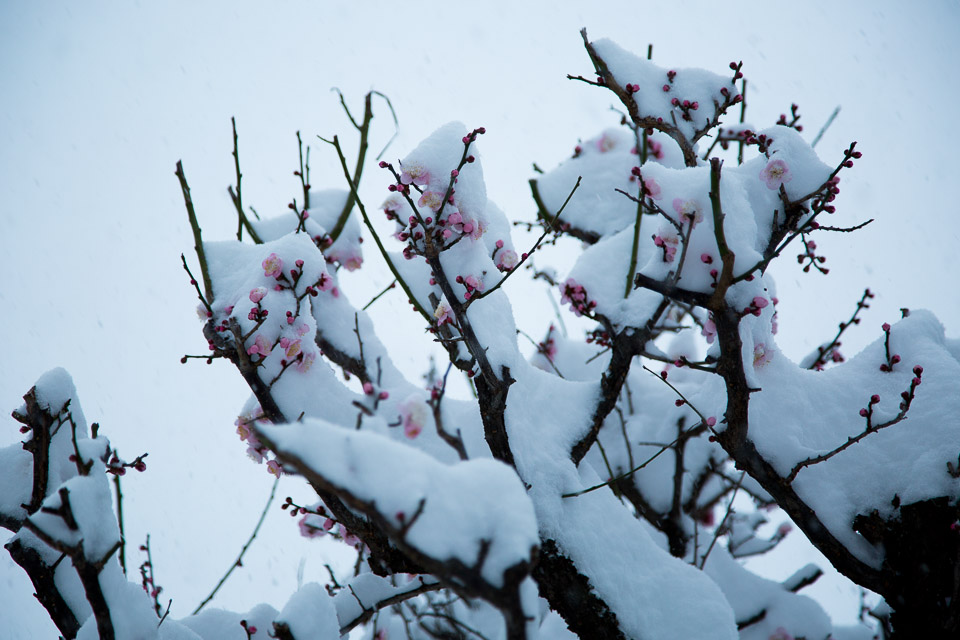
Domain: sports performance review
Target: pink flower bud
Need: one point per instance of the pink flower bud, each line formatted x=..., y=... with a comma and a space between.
x=383, y=395
x=886, y=326
x=874, y=399
x=711, y=421
x=863, y=413
x=368, y=388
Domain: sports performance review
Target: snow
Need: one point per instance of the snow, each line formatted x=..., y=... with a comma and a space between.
x=446, y=512
x=64, y=138
x=310, y=614
x=907, y=459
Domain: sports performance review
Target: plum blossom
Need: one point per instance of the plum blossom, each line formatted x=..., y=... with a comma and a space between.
x=291, y=347
x=308, y=357
x=310, y=527
x=257, y=294
x=413, y=416
x=272, y=266
x=653, y=188
x=606, y=143
x=507, y=259
x=688, y=210
x=709, y=331
x=431, y=200
x=443, y=313
x=260, y=346
x=668, y=241
x=353, y=262
x=415, y=173
x=762, y=354
x=780, y=634
x=775, y=174
x=576, y=295
x=274, y=468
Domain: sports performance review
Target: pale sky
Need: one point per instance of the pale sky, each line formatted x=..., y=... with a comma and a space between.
x=100, y=99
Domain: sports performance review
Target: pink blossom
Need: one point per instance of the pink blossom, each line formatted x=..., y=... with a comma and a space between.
x=292, y=349
x=667, y=241
x=274, y=468
x=256, y=295
x=576, y=295
x=775, y=174
x=302, y=329
x=762, y=354
x=325, y=283
x=255, y=454
x=392, y=204
x=780, y=634
x=653, y=189
x=415, y=173
x=353, y=263
x=413, y=415
x=272, y=266
x=606, y=143
x=760, y=302
x=308, y=528
x=261, y=346
x=443, y=313
x=308, y=357
x=471, y=283
x=431, y=199
x=507, y=259
x=688, y=210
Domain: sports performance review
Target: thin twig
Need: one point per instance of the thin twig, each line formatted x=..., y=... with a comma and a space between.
x=197, y=235
x=237, y=562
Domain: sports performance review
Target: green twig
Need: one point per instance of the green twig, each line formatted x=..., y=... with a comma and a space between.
x=376, y=238
x=377, y=297
x=197, y=236
x=237, y=562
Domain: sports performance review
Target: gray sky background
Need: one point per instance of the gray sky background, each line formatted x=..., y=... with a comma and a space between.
x=100, y=99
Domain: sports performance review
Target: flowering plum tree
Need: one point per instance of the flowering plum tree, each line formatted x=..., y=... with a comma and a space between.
x=598, y=489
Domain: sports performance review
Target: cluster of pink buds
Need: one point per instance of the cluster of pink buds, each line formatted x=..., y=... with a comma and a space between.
x=795, y=117
x=685, y=107
x=600, y=338
x=576, y=296
x=505, y=259
x=893, y=359
x=471, y=283
x=810, y=256
x=118, y=467
x=250, y=629
x=632, y=89
x=707, y=259
x=757, y=305
x=549, y=346
x=668, y=244
x=369, y=390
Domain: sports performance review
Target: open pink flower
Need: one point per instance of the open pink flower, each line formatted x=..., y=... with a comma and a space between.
x=443, y=313
x=260, y=346
x=413, y=415
x=415, y=173
x=653, y=189
x=307, y=361
x=272, y=266
x=256, y=295
x=762, y=354
x=353, y=262
x=688, y=210
x=709, y=331
x=431, y=199
x=310, y=526
x=775, y=174
x=507, y=259
x=668, y=242
x=274, y=468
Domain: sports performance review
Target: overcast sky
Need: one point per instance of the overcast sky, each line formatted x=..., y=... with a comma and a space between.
x=99, y=100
